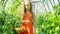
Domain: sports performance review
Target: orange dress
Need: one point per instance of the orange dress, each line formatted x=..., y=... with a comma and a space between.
x=28, y=26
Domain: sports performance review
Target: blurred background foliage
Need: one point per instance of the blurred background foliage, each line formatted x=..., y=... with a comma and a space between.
x=49, y=24
x=10, y=14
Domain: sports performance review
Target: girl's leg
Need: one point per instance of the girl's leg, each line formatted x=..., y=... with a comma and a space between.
x=28, y=30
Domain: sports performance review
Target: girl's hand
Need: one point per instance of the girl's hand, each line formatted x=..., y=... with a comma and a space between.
x=20, y=29
x=23, y=21
x=27, y=21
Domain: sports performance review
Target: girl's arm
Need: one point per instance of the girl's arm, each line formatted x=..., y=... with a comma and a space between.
x=34, y=23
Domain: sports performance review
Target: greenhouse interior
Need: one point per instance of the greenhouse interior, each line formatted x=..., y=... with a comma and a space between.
x=29, y=16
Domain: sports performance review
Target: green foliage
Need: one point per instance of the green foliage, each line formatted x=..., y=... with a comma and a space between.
x=49, y=24
x=9, y=16
x=7, y=23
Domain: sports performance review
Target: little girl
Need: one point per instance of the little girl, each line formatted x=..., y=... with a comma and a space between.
x=27, y=21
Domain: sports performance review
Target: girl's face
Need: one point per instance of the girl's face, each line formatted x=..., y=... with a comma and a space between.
x=27, y=6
